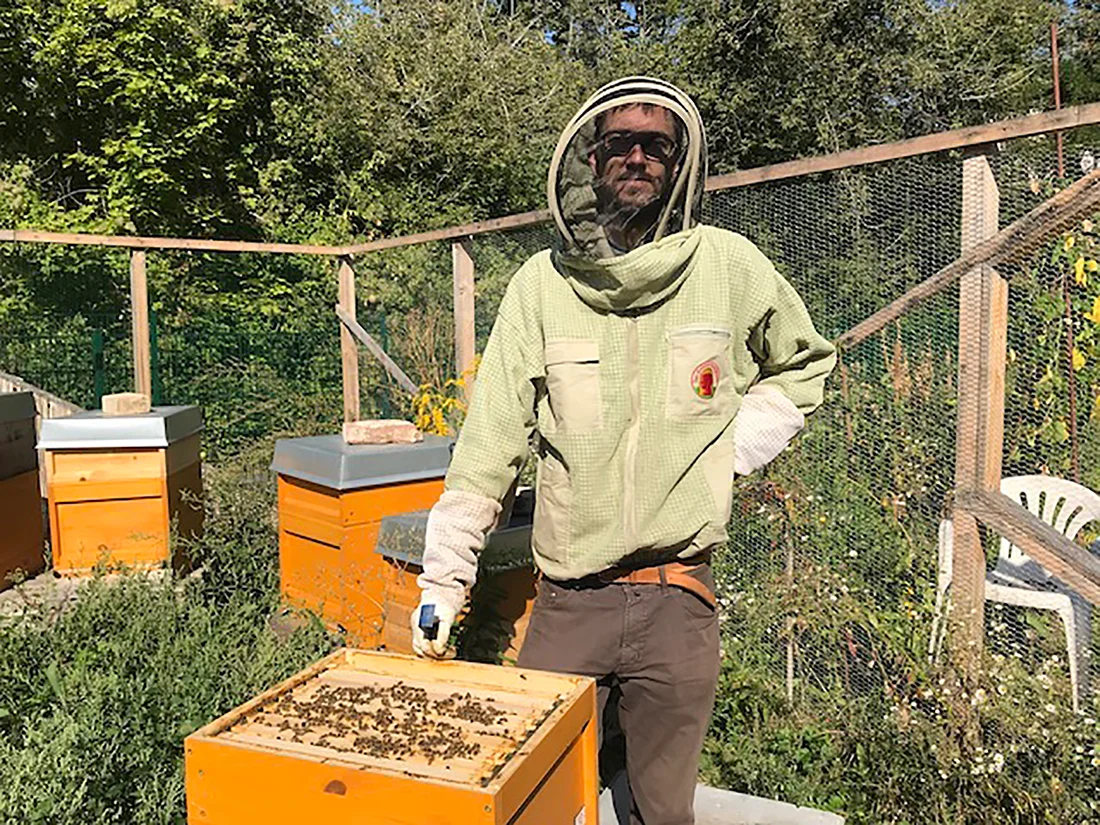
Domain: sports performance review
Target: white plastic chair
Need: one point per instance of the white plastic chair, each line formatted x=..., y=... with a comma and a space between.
x=1019, y=580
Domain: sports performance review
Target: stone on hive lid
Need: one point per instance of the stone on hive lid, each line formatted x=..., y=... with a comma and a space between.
x=384, y=431
x=126, y=403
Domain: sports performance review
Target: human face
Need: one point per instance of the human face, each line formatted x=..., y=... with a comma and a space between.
x=635, y=179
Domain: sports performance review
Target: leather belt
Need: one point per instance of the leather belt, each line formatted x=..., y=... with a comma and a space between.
x=673, y=573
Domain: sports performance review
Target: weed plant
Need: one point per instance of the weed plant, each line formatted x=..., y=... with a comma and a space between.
x=97, y=697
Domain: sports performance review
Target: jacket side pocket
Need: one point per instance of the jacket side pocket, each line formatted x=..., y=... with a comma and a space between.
x=553, y=505
x=718, y=469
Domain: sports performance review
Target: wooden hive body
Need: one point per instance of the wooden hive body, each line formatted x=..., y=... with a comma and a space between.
x=116, y=501
x=332, y=499
x=327, y=561
x=21, y=542
x=370, y=737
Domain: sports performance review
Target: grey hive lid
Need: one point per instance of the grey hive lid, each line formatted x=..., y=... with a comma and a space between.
x=402, y=537
x=328, y=461
x=93, y=430
x=16, y=406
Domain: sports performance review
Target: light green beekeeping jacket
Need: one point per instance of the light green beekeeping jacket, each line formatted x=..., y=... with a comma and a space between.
x=627, y=370
x=632, y=458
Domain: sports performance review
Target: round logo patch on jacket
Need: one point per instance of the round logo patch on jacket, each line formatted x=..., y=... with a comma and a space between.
x=704, y=379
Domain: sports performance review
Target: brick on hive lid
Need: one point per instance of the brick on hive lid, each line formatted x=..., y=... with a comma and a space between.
x=381, y=431
x=126, y=403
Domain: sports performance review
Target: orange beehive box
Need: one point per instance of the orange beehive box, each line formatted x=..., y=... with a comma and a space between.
x=332, y=499
x=21, y=542
x=369, y=737
x=117, y=484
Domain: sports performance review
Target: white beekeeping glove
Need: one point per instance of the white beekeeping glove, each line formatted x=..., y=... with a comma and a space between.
x=457, y=526
x=765, y=425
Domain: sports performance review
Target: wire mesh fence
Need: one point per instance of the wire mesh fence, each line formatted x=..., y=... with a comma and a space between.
x=257, y=365
x=834, y=578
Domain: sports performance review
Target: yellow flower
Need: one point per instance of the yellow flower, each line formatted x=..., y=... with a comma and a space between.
x=1069, y=243
x=1078, y=359
x=1094, y=316
x=1091, y=266
x=439, y=423
x=1095, y=409
x=1079, y=272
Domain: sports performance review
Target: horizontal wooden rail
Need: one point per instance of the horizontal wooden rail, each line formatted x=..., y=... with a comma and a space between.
x=454, y=232
x=190, y=244
x=1018, y=239
x=1037, y=124
x=1074, y=565
x=47, y=404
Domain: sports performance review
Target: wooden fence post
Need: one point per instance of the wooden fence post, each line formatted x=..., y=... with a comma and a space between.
x=462, y=264
x=349, y=352
x=983, y=323
x=139, y=323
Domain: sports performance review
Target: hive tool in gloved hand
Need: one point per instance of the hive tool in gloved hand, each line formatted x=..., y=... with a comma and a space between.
x=432, y=623
x=456, y=531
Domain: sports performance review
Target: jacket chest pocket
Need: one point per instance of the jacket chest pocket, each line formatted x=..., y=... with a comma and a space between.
x=573, y=385
x=699, y=379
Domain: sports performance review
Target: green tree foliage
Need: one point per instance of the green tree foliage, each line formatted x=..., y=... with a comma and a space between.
x=297, y=119
x=1081, y=75
x=303, y=121
x=780, y=78
x=159, y=116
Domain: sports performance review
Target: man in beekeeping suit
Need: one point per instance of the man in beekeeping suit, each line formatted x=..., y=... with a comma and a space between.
x=646, y=360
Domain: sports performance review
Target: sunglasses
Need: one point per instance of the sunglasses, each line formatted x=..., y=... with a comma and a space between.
x=655, y=145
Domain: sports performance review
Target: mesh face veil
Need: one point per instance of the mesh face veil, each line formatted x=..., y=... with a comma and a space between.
x=629, y=169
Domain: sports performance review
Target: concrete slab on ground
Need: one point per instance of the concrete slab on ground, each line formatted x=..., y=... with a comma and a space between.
x=50, y=594
x=714, y=806
x=45, y=591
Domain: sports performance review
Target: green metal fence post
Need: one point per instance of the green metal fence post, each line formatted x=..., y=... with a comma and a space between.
x=154, y=359
x=384, y=338
x=98, y=371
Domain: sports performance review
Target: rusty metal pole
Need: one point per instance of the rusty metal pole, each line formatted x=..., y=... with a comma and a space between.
x=1071, y=376
x=1057, y=92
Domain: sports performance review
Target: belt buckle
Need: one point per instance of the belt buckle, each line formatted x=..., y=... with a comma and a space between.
x=609, y=575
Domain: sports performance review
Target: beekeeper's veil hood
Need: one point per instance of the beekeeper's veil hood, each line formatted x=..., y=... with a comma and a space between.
x=625, y=190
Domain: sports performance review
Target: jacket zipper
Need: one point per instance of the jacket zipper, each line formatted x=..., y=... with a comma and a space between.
x=635, y=424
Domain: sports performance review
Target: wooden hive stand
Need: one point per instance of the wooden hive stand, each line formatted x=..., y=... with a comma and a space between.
x=117, y=484
x=21, y=542
x=388, y=740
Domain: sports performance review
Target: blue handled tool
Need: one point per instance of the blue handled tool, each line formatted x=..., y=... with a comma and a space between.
x=428, y=623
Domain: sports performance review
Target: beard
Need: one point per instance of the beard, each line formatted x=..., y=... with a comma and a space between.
x=621, y=205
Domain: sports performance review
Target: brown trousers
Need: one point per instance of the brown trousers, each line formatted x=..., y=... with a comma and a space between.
x=653, y=650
